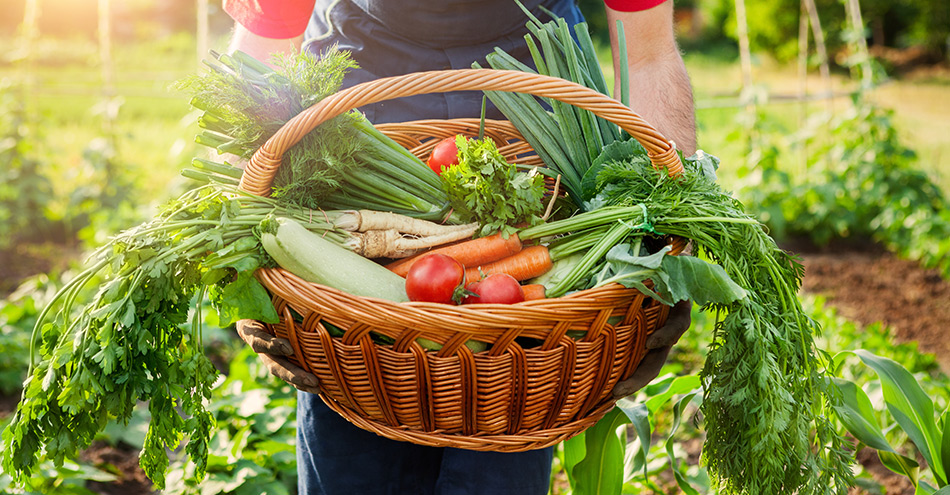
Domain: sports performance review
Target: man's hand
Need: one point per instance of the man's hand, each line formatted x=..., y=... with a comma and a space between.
x=658, y=345
x=272, y=350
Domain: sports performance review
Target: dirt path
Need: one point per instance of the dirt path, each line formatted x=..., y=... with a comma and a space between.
x=868, y=286
x=871, y=285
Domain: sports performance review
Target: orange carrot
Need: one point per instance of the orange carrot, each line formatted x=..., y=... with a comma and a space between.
x=473, y=252
x=533, y=291
x=530, y=262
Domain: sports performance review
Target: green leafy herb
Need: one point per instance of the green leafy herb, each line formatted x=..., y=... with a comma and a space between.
x=768, y=395
x=93, y=361
x=485, y=188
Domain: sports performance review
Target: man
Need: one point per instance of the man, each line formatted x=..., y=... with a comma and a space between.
x=390, y=38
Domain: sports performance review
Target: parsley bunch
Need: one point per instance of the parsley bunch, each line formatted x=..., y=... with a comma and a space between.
x=95, y=358
x=483, y=187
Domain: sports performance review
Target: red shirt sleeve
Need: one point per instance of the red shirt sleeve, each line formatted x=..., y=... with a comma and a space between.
x=632, y=5
x=276, y=19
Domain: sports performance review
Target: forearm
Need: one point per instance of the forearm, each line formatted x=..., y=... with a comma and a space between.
x=660, y=89
x=260, y=47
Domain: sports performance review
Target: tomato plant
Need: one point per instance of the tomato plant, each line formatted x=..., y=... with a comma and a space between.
x=436, y=278
x=444, y=155
x=497, y=288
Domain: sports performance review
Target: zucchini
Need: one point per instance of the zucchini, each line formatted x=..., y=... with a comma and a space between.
x=320, y=261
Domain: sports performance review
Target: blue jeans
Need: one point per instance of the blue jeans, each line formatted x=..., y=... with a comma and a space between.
x=336, y=458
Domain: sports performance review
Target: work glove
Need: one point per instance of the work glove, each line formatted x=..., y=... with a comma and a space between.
x=273, y=351
x=658, y=345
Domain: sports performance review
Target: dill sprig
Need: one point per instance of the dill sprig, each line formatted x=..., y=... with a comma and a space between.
x=342, y=164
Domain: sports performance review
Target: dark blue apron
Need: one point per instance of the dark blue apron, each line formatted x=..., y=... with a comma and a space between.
x=389, y=37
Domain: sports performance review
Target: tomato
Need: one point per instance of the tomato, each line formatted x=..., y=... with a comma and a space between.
x=436, y=278
x=497, y=288
x=444, y=155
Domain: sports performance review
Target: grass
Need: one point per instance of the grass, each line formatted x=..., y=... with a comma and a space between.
x=921, y=105
x=154, y=126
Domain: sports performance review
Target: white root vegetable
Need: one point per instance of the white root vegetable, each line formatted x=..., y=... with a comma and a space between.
x=393, y=244
x=368, y=220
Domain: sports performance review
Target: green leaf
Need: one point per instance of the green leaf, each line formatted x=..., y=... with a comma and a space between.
x=945, y=445
x=674, y=464
x=601, y=471
x=675, y=278
x=706, y=163
x=679, y=385
x=901, y=465
x=639, y=417
x=575, y=449
x=697, y=280
x=911, y=407
x=630, y=150
x=857, y=415
x=245, y=297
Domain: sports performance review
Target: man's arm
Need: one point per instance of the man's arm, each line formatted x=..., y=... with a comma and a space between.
x=660, y=90
x=260, y=47
x=265, y=27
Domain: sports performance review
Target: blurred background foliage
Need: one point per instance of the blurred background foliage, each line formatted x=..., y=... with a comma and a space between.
x=92, y=144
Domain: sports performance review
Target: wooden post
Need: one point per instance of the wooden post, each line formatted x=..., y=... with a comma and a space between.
x=29, y=31
x=854, y=14
x=202, y=43
x=819, y=36
x=745, y=55
x=802, y=82
x=107, y=68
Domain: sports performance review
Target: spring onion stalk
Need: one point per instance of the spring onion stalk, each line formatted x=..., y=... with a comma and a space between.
x=343, y=163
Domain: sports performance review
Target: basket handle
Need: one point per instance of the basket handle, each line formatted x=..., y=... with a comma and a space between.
x=262, y=166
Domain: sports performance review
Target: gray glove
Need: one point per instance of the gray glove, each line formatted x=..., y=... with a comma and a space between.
x=272, y=351
x=658, y=345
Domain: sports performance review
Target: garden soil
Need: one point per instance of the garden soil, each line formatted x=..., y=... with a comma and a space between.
x=865, y=284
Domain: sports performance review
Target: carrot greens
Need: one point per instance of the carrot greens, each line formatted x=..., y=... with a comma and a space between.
x=768, y=395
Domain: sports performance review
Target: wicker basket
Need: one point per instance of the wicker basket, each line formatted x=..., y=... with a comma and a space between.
x=512, y=397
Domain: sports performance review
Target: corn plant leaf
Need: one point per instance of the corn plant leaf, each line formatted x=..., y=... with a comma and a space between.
x=943, y=491
x=901, y=465
x=857, y=415
x=911, y=407
x=945, y=447
x=575, y=449
x=639, y=416
x=601, y=471
x=679, y=385
x=674, y=464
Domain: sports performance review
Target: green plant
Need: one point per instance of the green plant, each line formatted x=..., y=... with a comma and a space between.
x=253, y=450
x=601, y=460
x=25, y=190
x=913, y=412
x=862, y=183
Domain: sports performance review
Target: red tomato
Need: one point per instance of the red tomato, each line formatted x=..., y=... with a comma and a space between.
x=444, y=155
x=436, y=278
x=497, y=288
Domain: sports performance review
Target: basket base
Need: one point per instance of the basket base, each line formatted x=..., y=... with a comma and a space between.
x=536, y=439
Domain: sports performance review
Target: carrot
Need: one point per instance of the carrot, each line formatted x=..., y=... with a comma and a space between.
x=533, y=291
x=530, y=262
x=472, y=252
